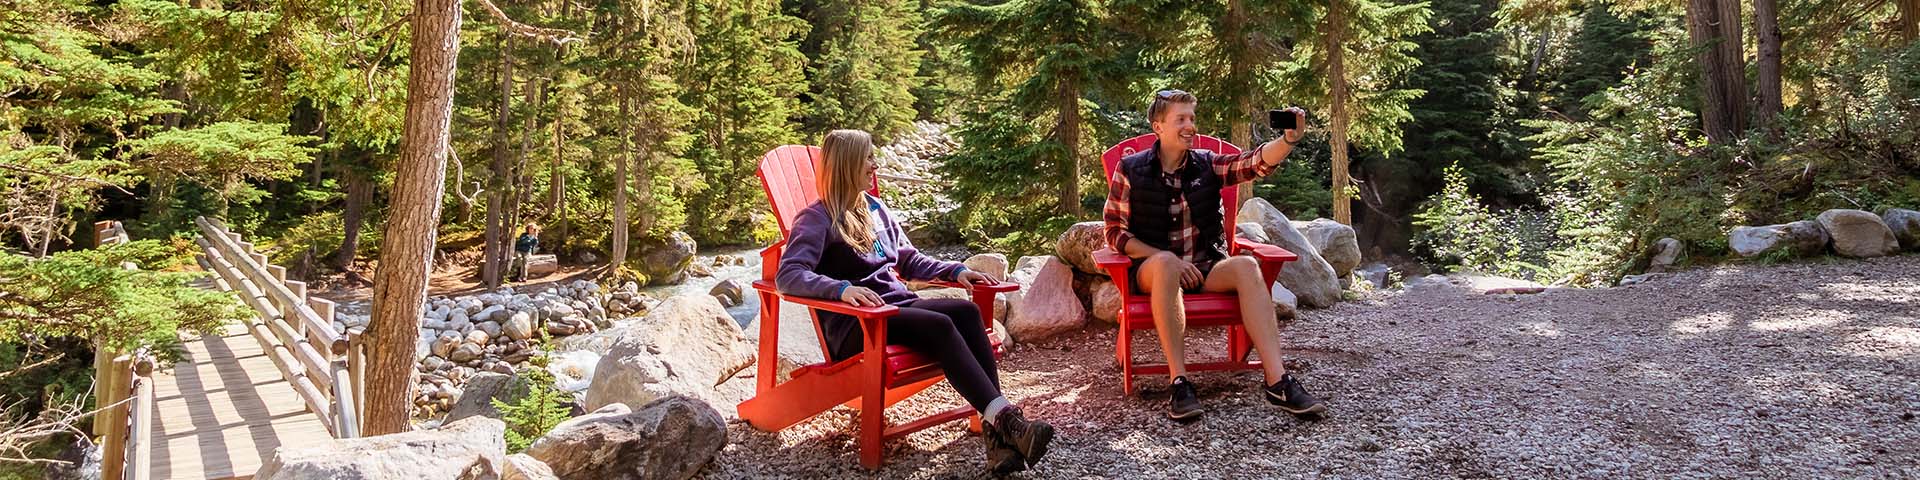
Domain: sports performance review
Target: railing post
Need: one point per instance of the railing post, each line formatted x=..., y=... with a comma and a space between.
x=113, y=442
x=140, y=440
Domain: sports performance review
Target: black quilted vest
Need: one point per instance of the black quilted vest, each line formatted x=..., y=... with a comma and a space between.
x=1150, y=197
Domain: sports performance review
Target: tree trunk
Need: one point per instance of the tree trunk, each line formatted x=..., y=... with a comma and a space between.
x=1069, y=134
x=359, y=193
x=459, y=188
x=1337, y=74
x=557, y=182
x=620, y=181
x=1766, y=26
x=1909, y=20
x=1733, y=63
x=1532, y=78
x=496, y=236
x=1722, y=78
x=406, y=249
x=1241, y=79
x=523, y=186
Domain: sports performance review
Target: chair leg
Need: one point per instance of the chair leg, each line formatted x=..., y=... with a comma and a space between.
x=1124, y=350
x=873, y=415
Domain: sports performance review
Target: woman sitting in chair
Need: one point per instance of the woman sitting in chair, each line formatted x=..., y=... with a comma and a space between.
x=847, y=248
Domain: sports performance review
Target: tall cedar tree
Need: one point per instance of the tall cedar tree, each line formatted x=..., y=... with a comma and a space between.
x=864, y=74
x=1033, y=63
x=1352, y=73
x=745, y=83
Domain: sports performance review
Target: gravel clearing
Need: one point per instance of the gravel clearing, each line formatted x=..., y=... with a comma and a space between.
x=1802, y=370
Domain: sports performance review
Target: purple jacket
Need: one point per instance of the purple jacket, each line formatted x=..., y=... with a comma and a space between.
x=818, y=263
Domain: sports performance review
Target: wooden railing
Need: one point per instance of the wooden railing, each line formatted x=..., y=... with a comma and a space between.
x=123, y=390
x=323, y=365
x=125, y=424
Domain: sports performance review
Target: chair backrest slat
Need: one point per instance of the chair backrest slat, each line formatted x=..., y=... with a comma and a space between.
x=790, y=175
x=1229, y=196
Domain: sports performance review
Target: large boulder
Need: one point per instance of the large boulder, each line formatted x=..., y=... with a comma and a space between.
x=476, y=399
x=665, y=260
x=1336, y=243
x=1802, y=238
x=1666, y=253
x=1858, y=233
x=798, y=343
x=992, y=264
x=687, y=345
x=999, y=301
x=1045, y=305
x=541, y=265
x=1078, y=243
x=670, y=438
x=729, y=292
x=1311, y=278
x=519, y=326
x=1285, y=304
x=1106, y=301
x=521, y=466
x=440, y=453
x=1905, y=225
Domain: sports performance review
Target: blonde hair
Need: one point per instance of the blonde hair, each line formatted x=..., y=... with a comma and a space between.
x=843, y=178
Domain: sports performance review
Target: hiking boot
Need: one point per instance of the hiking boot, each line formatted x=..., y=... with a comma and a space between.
x=1185, y=404
x=1029, y=438
x=1290, y=396
x=1002, y=459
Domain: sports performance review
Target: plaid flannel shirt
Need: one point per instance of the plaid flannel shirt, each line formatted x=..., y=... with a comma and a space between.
x=1233, y=170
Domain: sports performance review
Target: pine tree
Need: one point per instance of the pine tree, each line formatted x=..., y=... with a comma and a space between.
x=1352, y=70
x=641, y=47
x=864, y=73
x=1033, y=64
x=744, y=83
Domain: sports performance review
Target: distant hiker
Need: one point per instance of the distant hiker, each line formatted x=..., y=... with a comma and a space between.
x=523, y=249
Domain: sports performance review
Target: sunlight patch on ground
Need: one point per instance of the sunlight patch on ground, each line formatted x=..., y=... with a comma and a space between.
x=1543, y=329
x=1798, y=319
x=1856, y=292
x=1702, y=323
x=1883, y=342
x=1070, y=396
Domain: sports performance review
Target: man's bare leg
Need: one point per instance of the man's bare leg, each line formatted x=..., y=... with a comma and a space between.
x=1160, y=278
x=1241, y=275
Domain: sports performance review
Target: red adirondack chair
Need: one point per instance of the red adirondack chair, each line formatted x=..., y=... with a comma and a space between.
x=1203, y=309
x=880, y=376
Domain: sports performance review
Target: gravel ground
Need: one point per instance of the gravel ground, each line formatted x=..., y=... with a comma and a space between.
x=1803, y=370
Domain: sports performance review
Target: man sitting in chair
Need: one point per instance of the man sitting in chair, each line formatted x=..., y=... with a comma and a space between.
x=1163, y=210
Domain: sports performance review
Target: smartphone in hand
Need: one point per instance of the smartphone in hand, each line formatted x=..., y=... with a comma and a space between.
x=1282, y=120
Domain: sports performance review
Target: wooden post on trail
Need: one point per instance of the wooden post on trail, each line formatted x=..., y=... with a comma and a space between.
x=113, y=440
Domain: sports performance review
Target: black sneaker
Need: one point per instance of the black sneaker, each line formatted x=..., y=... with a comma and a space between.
x=1028, y=437
x=1185, y=404
x=1290, y=396
x=1002, y=459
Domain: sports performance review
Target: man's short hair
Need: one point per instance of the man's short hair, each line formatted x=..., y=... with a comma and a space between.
x=1164, y=98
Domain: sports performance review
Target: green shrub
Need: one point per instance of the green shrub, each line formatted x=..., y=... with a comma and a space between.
x=533, y=415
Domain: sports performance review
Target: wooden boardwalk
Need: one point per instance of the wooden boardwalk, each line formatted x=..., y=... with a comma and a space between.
x=223, y=409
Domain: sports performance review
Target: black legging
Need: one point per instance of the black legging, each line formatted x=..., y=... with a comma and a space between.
x=948, y=330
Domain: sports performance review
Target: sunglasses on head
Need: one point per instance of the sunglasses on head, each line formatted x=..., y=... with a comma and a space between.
x=1168, y=94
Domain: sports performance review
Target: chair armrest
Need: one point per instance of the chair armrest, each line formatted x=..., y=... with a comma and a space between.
x=1113, y=262
x=835, y=306
x=770, y=260
x=995, y=287
x=1263, y=252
